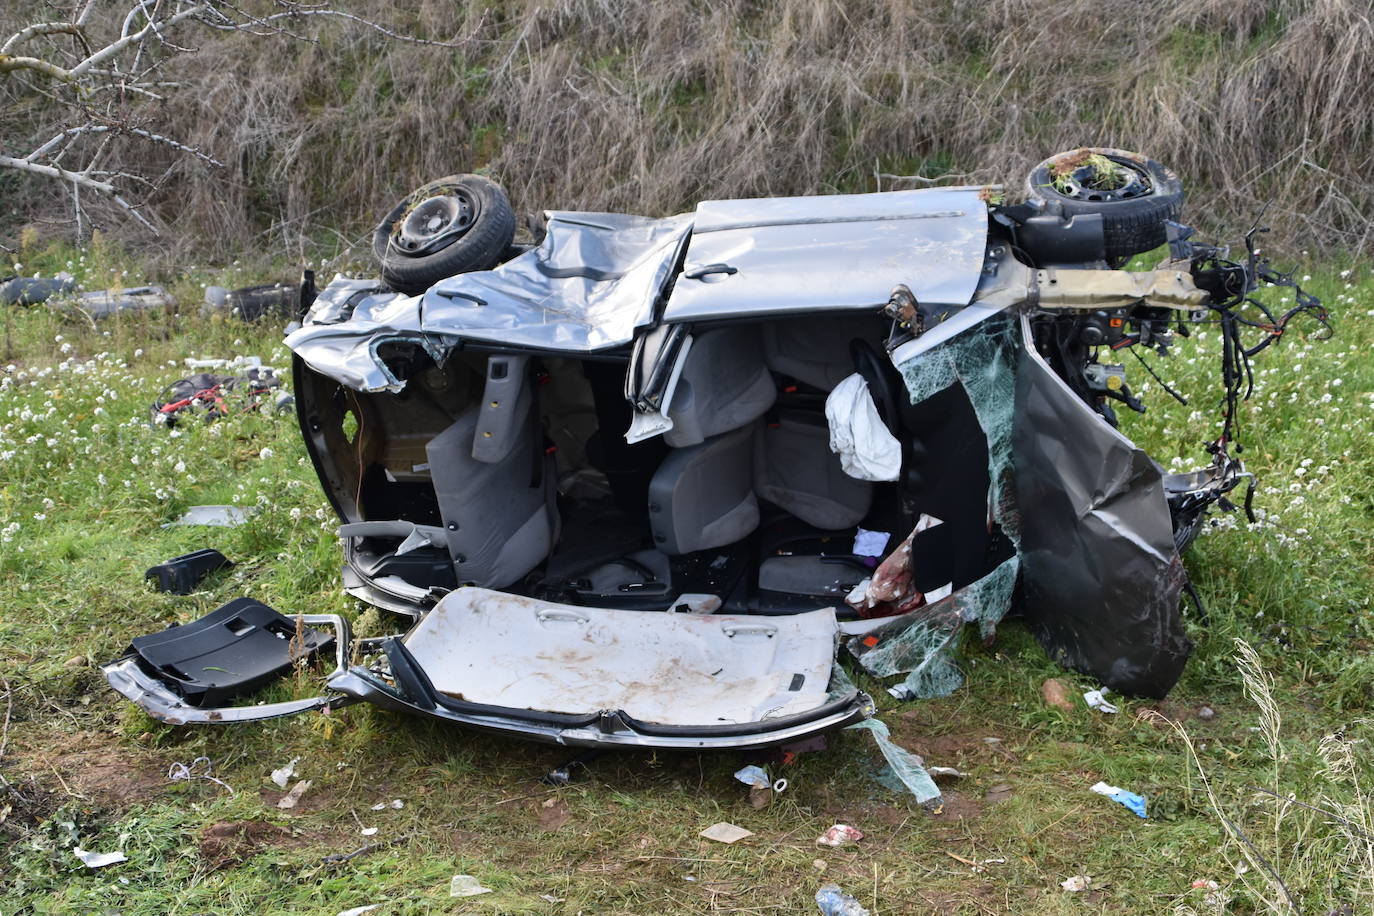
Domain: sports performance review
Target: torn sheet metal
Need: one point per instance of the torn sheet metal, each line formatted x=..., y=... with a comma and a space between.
x=921, y=643
x=593, y=280
x=1101, y=574
x=787, y=255
x=1086, y=510
x=344, y=295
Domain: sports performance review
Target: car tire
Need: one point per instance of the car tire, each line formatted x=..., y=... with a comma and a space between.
x=1132, y=216
x=450, y=226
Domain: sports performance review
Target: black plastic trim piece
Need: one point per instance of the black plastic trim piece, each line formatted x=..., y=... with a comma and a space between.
x=180, y=575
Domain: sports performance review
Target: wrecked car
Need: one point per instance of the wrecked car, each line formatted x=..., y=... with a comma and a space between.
x=638, y=481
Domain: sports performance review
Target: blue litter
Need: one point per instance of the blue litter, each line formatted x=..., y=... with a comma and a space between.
x=835, y=902
x=755, y=777
x=1135, y=803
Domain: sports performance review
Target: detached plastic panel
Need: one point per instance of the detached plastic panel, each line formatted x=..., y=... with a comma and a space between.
x=229, y=652
x=180, y=575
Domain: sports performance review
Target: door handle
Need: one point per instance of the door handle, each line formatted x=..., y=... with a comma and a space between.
x=699, y=273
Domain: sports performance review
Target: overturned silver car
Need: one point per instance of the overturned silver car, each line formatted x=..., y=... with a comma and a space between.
x=642, y=481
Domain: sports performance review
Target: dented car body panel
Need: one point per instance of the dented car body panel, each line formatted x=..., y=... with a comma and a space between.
x=603, y=480
x=787, y=256
x=1101, y=573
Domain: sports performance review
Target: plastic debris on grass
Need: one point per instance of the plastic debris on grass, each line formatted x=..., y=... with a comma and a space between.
x=1077, y=884
x=104, y=303
x=282, y=774
x=726, y=833
x=395, y=804
x=35, y=290
x=208, y=397
x=761, y=786
x=198, y=769
x=1097, y=699
x=1133, y=802
x=975, y=865
x=466, y=886
x=290, y=799
x=99, y=859
x=839, y=835
x=754, y=777
x=213, y=516
x=360, y=910
x=833, y=901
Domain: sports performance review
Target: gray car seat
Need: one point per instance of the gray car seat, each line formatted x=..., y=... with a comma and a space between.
x=724, y=385
x=795, y=469
x=702, y=496
x=496, y=492
x=815, y=350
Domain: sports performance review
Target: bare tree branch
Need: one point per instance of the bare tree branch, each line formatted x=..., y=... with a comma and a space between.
x=377, y=27
x=95, y=87
x=39, y=28
x=54, y=171
x=119, y=45
x=137, y=131
x=9, y=64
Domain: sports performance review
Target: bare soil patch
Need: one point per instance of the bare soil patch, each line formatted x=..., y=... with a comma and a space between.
x=228, y=843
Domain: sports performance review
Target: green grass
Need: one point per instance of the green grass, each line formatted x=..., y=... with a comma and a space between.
x=81, y=522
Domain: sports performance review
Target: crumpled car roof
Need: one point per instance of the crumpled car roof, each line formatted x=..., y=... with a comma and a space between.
x=597, y=277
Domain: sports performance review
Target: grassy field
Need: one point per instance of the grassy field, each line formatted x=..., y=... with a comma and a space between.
x=86, y=483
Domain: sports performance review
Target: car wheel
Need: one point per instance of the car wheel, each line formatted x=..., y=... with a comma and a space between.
x=1134, y=195
x=449, y=226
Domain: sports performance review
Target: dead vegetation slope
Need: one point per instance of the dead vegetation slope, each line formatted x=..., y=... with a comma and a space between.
x=650, y=105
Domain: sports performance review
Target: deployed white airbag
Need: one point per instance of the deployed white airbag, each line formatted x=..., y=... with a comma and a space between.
x=858, y=435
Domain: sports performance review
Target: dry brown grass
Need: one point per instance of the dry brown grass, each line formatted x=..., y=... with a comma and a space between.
x=650, y=105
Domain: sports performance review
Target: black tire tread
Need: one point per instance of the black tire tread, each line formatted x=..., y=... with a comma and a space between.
x=1129, y=227
x=1141, y=230
x=480, y=248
